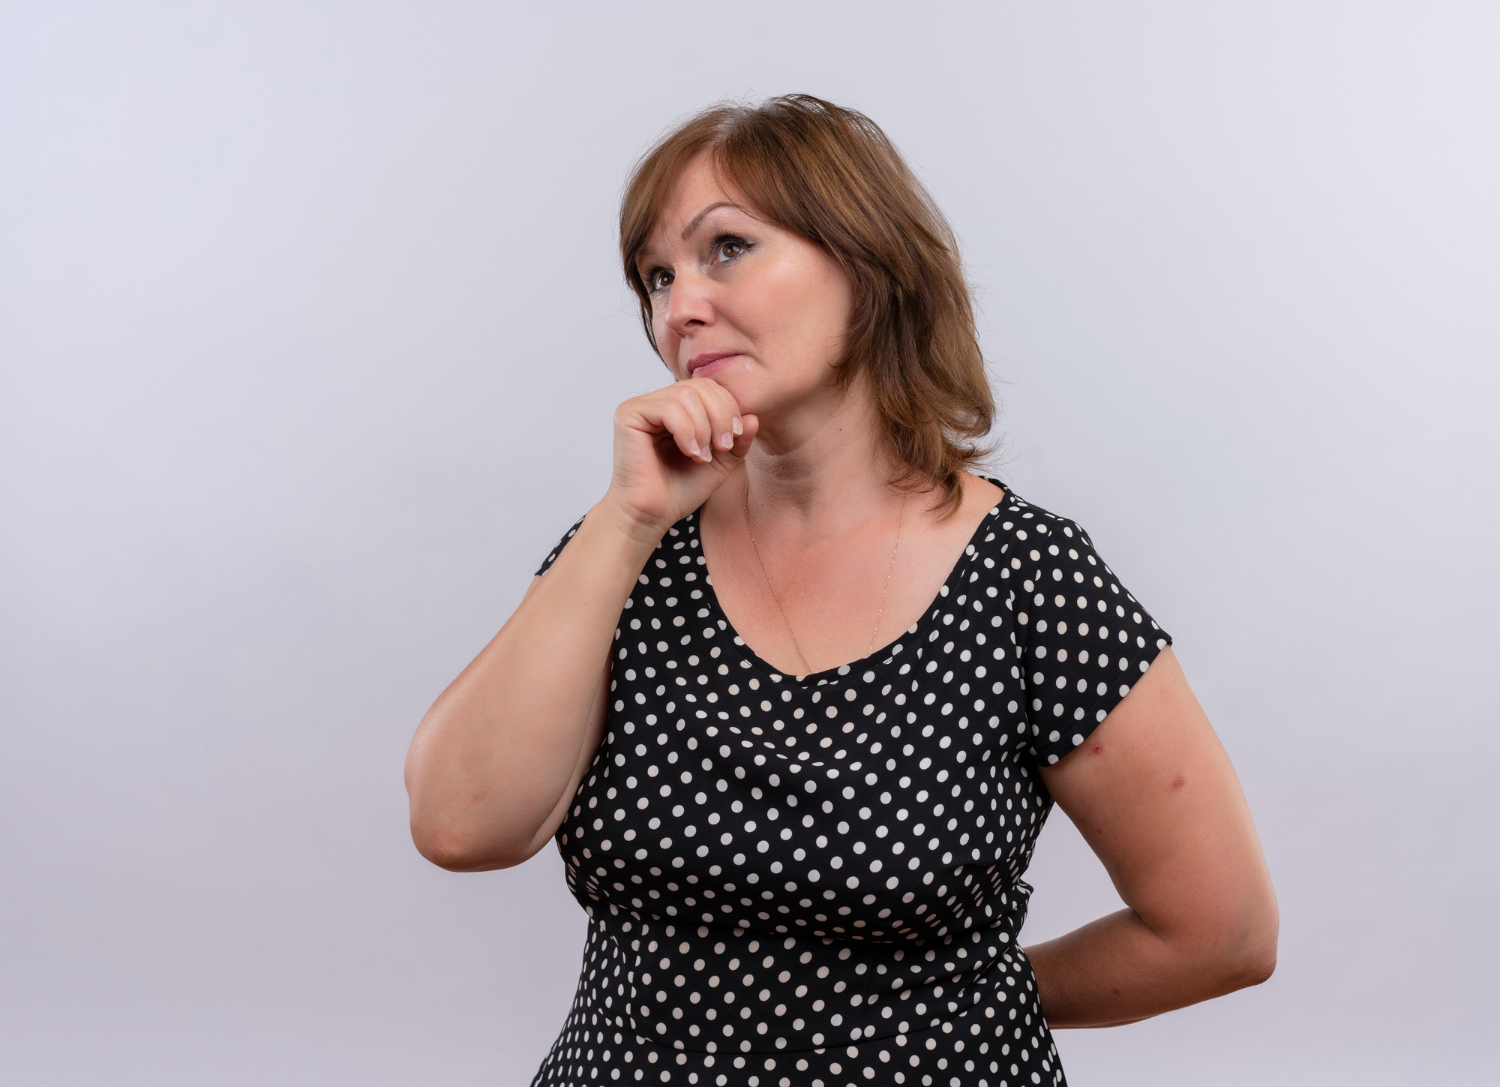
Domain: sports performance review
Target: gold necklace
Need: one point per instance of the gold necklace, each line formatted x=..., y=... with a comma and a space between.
x=901, y=517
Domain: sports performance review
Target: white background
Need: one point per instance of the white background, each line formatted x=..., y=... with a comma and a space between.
x=312, y=325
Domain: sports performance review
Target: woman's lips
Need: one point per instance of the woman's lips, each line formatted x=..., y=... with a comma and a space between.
x=709, y=367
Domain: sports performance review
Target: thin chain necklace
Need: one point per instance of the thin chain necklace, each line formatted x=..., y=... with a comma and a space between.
x=901, y=517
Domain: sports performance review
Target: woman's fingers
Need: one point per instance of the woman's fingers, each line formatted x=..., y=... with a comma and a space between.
x=690, y=425
x=702, y=417
x=749, y=426
x=683, y=415
x=703, y=403
x=723, y=412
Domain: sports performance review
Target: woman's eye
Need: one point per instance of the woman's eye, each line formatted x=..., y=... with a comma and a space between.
x=732, y=246
x=728, y=241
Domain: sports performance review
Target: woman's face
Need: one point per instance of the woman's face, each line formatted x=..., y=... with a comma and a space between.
x=722, y=280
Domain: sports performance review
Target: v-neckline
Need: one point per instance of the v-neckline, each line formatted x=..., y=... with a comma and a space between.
x=881, y=654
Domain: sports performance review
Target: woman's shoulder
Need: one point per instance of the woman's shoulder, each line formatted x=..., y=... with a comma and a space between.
x=986, y=489
x=1030, y=534
x=1022, y=510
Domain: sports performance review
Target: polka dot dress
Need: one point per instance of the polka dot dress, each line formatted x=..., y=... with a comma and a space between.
x=815, y=881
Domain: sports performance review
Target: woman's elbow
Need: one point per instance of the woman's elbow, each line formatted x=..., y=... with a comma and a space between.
x=1228, y=949
x=1250, y=950
x=1255, y=966
x=456, y=853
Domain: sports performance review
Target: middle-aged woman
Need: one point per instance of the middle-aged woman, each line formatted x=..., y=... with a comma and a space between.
x=795, y=734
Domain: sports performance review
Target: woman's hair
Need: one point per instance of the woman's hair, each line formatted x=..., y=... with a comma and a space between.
x=830, y=174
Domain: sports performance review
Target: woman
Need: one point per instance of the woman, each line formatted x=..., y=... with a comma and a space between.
x=823, y=724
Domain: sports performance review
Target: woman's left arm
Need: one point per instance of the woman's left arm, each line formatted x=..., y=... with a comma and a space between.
x=1153, y=793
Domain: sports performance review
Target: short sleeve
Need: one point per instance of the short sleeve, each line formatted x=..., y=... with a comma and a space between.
x=556, y=551
x=1084, y=640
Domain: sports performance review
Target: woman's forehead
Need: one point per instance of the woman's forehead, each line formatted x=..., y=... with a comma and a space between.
x=699, y=183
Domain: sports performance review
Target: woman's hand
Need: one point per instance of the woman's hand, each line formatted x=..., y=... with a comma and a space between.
x=658, y=478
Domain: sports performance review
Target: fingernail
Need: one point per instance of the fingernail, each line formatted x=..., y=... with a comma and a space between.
x=726, y=440
x=694, y=447
x=738, y=429
x=708, y=456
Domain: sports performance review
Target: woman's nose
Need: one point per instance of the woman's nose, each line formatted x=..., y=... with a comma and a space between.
x=689, y=303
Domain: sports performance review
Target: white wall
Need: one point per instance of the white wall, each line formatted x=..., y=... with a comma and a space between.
x=311, y=330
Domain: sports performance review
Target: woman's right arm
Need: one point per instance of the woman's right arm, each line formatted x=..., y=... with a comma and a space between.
x=497, y=758
x=499, y=755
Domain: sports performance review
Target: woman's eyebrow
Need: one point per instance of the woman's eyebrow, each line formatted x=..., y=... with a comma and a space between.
x=687, y=231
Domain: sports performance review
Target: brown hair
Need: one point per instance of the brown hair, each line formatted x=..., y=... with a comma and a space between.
x=830, y=174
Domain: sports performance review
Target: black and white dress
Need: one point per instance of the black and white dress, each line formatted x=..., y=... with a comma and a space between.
x=815, y=881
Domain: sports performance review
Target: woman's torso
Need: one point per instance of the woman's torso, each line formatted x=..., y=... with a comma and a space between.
x=812, y=879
